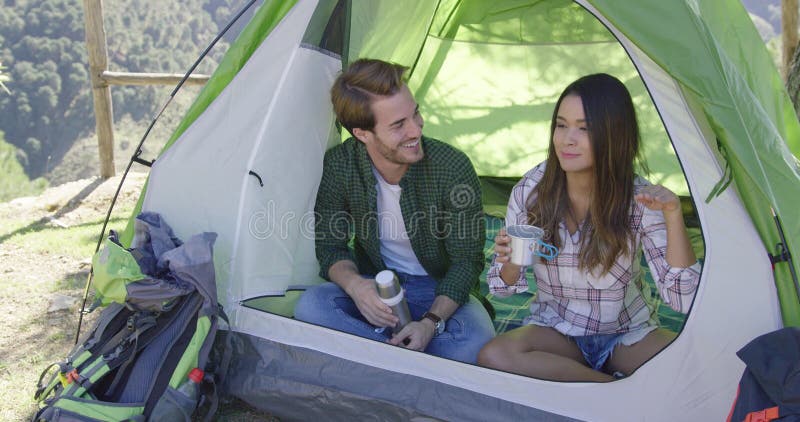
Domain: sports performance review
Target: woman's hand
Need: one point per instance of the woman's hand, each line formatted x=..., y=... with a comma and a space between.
x=658, y=198
x=502, y=249
x=679, y=252
x=510, y=272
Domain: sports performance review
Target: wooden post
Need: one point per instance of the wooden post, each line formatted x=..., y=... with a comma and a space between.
x=128, y=78
x=788, y=33
x=101, y=92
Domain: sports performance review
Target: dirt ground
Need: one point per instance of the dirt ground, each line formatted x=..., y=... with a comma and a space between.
x=46, y=244
x=42, y=286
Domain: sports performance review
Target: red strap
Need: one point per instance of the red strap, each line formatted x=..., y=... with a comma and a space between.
x=733, y=407
x=72, y=376
x=765, y=415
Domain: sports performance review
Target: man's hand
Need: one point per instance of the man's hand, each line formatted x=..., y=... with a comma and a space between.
x=370, y=305
x=415, y=335
x=363, y=292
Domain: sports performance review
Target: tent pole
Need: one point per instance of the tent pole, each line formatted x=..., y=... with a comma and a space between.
x=348, y=10
x=787, y=256
x=427, y=33
x=135, y=158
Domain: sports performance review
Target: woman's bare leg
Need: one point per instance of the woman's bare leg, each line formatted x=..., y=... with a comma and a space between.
x=539, y=352
x=627, y=359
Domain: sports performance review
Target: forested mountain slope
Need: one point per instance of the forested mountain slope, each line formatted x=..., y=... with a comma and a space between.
x=42, y=46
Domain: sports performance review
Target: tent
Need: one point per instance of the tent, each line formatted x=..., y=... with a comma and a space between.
x=717, y=126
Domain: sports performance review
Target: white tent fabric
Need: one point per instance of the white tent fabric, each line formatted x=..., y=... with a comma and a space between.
x=275, y=117
x=695, y=378
x=202, y=182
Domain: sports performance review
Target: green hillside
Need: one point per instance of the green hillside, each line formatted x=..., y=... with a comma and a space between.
x=14, y=182
x=43, y=48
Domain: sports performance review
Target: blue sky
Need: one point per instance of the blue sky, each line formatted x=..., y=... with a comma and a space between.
x=768, y=16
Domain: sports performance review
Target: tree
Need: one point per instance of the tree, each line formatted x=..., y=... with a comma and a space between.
x=788, y=33
x=14, y=182
x=42, y=44
x=793, y=81
x=3, y=79
x=789, y=13
x=42, y=41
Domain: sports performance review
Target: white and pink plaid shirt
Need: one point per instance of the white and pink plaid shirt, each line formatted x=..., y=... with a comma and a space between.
x=577, y=303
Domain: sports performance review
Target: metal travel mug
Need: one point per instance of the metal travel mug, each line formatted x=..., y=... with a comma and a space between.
x=526, y=243
x=392, y=294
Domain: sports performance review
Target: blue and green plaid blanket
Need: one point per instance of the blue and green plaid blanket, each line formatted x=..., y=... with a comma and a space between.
x=510, y=311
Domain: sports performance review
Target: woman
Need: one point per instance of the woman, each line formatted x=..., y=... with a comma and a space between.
x=589, y=319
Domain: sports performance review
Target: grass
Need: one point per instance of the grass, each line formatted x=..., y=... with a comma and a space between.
x=40, y=337
x=46, y=244
x=15, y=182
x=71, y=282
x=78, y=242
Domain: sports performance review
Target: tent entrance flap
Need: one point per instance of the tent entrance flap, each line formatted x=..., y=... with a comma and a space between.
x=493, y=97
x=203, y=184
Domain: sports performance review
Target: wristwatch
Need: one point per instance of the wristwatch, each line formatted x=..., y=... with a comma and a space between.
x=438, y=324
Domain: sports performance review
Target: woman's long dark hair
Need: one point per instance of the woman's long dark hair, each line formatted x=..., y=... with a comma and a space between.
x=614, y=137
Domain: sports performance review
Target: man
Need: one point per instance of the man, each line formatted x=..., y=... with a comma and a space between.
x=410, y=204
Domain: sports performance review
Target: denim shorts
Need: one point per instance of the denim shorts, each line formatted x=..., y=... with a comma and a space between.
x=597, y=348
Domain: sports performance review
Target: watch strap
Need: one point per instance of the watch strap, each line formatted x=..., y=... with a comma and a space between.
x=438, y=324
x=433, y=317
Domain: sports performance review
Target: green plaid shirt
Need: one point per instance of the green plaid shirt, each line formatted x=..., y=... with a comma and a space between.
x=442, y=211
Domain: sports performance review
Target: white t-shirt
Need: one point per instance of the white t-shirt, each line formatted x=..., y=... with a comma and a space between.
x=395, y=245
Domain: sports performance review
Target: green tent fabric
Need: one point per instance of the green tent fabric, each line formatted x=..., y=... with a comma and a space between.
x=263, y=22
x=757, y=140
x=718, y=128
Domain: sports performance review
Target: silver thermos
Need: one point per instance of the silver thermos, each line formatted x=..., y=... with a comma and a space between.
x=392, y=294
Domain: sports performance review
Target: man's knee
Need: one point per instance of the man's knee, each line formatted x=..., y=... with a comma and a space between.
x=302, y=307
x=309, y=304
